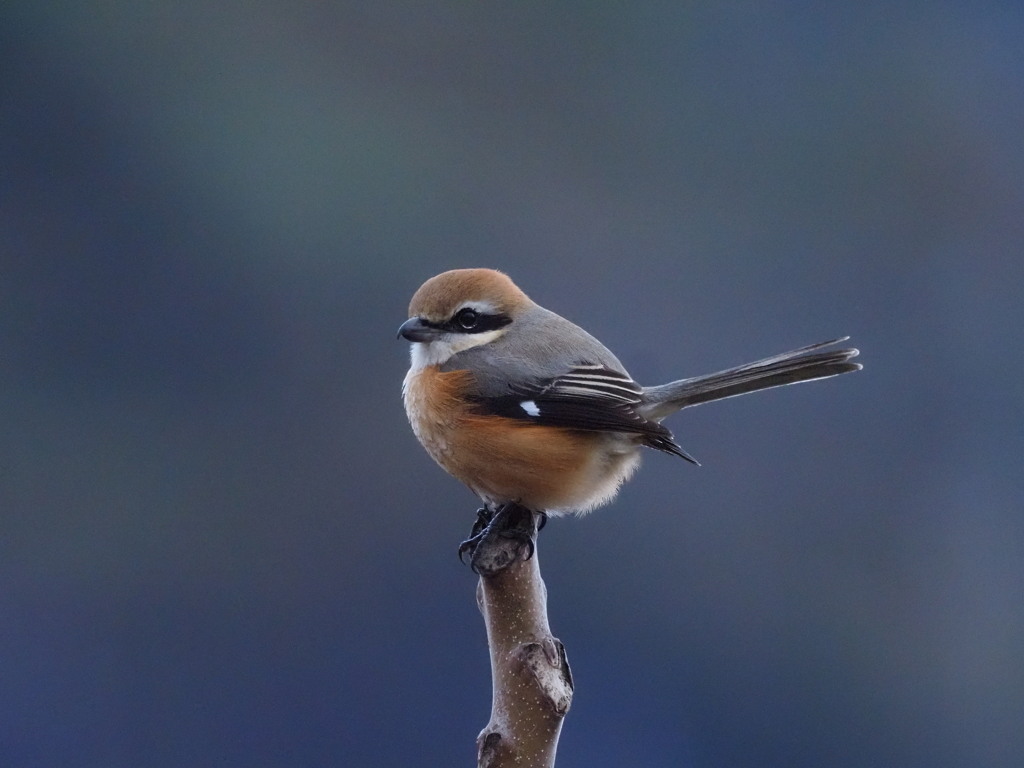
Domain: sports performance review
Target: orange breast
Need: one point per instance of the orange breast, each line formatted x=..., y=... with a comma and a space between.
x=501, y=459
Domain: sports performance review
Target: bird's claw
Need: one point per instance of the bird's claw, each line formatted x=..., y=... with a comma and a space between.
x=511, y=522
x=483, y=519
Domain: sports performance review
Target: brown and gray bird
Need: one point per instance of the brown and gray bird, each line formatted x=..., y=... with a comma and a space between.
x=525, y=407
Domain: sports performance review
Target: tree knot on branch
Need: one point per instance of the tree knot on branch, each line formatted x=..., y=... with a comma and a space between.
x=546, y=663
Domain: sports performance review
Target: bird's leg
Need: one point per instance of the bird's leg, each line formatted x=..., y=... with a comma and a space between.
x=502, y=539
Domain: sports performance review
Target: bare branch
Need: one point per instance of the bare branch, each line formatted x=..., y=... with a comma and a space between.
x=532, y=684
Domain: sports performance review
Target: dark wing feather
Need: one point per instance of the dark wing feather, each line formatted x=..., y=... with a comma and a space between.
x=589, y=397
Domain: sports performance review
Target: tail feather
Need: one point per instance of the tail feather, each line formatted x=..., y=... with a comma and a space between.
x=802, y=364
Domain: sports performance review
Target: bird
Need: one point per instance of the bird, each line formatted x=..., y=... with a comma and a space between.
x=526, y=408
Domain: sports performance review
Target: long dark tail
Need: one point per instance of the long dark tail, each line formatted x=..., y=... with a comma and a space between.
x=802, y=364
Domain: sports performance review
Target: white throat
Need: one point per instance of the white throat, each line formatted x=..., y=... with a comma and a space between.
x=440, y=350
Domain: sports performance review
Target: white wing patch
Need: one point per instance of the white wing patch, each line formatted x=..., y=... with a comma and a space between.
x=530, y=407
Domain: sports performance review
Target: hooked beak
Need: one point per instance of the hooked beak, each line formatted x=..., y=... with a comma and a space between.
x=415, y=329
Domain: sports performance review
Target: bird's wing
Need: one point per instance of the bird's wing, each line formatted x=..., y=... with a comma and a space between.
x=590, y=397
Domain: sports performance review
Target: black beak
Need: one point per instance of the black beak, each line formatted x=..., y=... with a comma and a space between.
x=415, y=329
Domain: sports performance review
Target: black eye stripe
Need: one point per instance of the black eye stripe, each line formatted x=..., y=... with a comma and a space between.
x=470, y=320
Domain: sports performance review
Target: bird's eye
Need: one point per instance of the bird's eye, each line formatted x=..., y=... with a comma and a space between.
x=467, y=318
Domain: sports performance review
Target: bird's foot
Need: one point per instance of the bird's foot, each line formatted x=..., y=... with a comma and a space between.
x=500, y=537
x=484, y=516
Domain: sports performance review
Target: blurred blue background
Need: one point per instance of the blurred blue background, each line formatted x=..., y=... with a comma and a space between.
x=219, y=541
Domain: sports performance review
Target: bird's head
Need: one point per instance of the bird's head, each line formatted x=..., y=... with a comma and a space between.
x=458, y=310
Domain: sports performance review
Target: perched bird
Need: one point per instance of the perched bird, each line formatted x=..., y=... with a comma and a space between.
x=526, y=408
